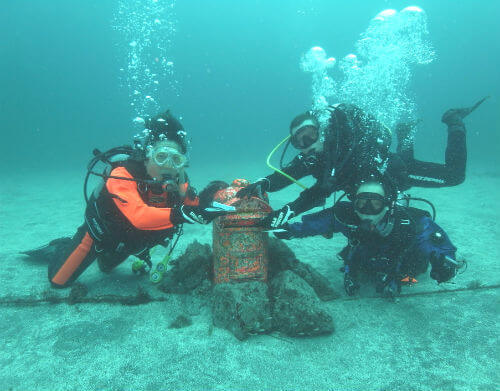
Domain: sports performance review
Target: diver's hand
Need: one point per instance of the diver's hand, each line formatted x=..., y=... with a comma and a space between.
x=404, y=129
x=443, y=269
x=256, y=189
x=283, y=233
x=199, y=214
x=278, y=218
x=456, y=116
x=207, y=195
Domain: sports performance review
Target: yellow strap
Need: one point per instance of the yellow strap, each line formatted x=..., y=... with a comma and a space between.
x=268, y=162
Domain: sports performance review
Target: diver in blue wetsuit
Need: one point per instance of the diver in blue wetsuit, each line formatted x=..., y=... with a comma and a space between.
x=388, y=242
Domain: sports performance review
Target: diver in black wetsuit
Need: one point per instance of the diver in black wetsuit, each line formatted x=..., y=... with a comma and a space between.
x=353, y=146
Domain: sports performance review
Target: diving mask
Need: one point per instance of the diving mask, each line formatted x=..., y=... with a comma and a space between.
x=304, y=137
x=167, y=156
x=369, y=203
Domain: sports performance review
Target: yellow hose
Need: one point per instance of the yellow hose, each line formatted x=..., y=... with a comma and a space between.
x=268, y=162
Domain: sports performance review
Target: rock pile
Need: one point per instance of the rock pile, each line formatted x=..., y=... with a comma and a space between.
x=290, y=302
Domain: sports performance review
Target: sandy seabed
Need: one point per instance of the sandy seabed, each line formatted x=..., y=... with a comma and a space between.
x=431, y=338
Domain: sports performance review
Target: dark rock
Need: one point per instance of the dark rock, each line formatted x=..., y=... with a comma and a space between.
x=189, y=271
x=77, y=293
x=475, y=284
x=279, y=256
x=141, y=297
x=180, y=322
x=296, y=308
x=282, y=258
x=242, y=308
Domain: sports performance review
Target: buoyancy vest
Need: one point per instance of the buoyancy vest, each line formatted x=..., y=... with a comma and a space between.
x=112, y=230
x=398, y=246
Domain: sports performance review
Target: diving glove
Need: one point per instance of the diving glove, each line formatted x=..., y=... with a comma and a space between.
x=281, y=233
x=443, y=269
x=198, y=214
x=256, y=189
x=278, y=218
x=454, y=117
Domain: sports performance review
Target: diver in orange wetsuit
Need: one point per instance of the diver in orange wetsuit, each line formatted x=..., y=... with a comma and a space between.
x=142, y=202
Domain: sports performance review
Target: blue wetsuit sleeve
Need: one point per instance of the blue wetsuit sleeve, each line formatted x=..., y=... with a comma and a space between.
x=320, y=223
x=433, y=241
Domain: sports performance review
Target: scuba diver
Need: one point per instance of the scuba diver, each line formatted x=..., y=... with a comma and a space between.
x=352, y=146
x=388, y=242
x=143, y=201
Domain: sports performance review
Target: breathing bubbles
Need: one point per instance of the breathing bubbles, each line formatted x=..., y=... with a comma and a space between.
x=377, y=74
x=318, y=64
x=145, y=31
x=416, y=10
x=315, y=60
x=138, y=121
x=384, y=15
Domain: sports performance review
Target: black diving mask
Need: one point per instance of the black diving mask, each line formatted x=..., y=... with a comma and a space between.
x=369, y=203
x=304, y=137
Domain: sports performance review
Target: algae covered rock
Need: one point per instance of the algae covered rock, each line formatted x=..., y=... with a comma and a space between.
x=296, y=310
x=283, y=258
x=242, y=308
x=190, y=271
x=180, y=322
x=289, y=302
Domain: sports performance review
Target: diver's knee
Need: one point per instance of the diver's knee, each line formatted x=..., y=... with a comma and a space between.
x=456, y=180
x=57, y=280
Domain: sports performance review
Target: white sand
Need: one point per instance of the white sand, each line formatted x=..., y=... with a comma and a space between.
x=443, y=341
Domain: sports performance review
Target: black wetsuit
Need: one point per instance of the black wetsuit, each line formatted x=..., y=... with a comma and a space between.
x=356, y=146
x=428, y=174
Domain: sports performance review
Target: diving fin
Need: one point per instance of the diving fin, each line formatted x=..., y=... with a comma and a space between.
x=47, y=252
x=471, y=109
x=453, y=114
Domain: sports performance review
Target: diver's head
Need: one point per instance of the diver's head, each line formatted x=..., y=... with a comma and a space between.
x=163, y=145
x=163, y=126
x=305, y=134
x=371, y=203
x=165, y=160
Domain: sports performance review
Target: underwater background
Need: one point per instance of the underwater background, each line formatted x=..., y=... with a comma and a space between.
x=82, y=74
x=236, y=79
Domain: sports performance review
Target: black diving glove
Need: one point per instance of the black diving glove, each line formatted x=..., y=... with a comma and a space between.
x=442, y=269
x=256, y=189
x=197, y=214
x=278, y=218
x=284, y=233
x=207, y=195
x=455, y=117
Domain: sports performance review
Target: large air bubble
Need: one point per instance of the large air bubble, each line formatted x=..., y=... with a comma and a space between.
x=376, y=76
x=317, y=63
x=145, y=30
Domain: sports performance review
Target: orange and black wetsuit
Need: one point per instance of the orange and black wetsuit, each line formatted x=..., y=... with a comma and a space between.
x=124, y=218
